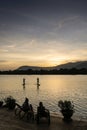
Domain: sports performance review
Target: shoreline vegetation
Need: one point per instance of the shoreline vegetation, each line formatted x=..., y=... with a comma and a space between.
x=72, y=71
x=8, y=121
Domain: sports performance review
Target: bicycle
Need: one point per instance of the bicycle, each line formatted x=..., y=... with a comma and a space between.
x=21, y=113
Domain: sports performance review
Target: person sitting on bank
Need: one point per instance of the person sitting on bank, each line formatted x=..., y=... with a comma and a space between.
x=25, y=105
x=28, y=108
x=41, y=110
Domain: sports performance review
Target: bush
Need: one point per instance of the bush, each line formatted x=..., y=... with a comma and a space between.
x=66, y=108
x=10, y=102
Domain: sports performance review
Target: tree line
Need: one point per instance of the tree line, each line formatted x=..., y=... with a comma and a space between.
x=46, y=72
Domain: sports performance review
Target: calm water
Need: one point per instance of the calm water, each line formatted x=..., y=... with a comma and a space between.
x=52, y=88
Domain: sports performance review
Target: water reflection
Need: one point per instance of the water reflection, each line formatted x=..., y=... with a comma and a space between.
x=23, y=86
x=24, y=81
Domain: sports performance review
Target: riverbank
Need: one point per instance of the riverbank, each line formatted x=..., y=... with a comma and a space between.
x=8, y=121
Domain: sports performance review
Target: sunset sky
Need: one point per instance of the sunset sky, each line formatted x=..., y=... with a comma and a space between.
x=42, y=32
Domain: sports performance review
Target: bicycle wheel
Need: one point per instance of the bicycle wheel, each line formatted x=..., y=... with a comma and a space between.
x=17, y=111
x=22, y=114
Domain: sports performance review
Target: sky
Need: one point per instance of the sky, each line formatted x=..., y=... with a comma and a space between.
x=42, y=32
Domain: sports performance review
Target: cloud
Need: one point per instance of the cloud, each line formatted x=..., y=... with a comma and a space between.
x=67, y=21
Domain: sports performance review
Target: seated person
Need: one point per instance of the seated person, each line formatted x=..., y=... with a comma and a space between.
x=25, y=106
x=41, y=110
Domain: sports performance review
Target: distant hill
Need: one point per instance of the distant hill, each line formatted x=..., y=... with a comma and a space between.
x=29, y=67
x=77, y=65
x=34, y=68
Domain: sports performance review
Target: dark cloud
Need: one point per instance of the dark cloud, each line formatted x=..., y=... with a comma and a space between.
x=41, y=18
x=43, y=8
x=40, y=5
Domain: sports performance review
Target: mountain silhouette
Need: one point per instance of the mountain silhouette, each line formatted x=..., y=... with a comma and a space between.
x=69, y=65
